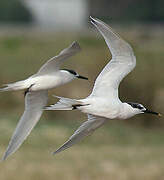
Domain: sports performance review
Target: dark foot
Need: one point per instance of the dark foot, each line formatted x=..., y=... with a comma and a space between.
x=27, y=90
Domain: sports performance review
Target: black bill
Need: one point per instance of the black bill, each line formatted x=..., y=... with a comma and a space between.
x=82, y=77
x=152, y=112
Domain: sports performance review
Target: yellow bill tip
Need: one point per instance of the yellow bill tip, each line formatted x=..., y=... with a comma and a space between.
x=159, y=114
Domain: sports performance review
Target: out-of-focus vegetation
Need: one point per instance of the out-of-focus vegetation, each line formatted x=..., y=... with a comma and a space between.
x=14, y=11
x=114, y=151
x=128, y=11
x=119, y=150
x=147, y=11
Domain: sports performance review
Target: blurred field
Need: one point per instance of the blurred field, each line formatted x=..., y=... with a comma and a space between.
x=113, y=152
x=132, y=149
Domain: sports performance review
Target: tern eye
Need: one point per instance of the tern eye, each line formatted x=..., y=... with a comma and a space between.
x=73, y=72
x=140, y=106
x=136, y=105
x=70, y=71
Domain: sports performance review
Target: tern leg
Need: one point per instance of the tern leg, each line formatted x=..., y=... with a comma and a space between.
x=27, y=90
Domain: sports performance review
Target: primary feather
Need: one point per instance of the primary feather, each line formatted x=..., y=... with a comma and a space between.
x=34, y=104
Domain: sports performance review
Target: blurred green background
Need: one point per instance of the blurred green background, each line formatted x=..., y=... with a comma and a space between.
x=123, y=150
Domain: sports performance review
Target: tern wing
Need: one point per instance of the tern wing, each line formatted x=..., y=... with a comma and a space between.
x=34, y=104
x=87, y=128
x=123, y=61
x=54, y=63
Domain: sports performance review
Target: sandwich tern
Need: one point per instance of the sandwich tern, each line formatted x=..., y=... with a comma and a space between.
x=103, y=103
x=36, y=95
x=49, y=75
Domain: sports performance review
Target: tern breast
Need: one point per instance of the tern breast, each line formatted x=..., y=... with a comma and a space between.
x=46, y=82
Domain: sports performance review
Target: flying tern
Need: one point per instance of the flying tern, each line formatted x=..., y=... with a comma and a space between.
x=49, y=75
x=36, y=94
x=103, y=103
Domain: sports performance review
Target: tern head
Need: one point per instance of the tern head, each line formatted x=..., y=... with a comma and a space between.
x=74, y=74
x=139, y=108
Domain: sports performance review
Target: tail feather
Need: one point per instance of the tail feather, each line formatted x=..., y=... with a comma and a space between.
x=64, y=104
x=14, y=86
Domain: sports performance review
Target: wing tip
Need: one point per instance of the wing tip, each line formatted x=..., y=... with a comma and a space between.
x=76, y=45
x=55, y=152
x=93, y=20
x=60, y=149
x=97, y=22
x=48, y=108
x=4, y=157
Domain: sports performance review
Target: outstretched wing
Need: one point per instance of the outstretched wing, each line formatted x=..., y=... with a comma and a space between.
x=123, y=61
x=34, y=104
x=54, y=63
x=87, y=128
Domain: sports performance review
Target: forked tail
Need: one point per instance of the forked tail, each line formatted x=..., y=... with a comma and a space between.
x=14, y=86
x=65, y=104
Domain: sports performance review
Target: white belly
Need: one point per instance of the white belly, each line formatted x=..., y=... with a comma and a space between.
x=101, y=107
x=45, y=82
